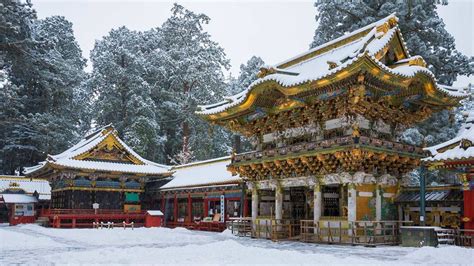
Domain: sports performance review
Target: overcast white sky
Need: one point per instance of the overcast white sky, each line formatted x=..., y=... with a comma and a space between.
x=273, y=30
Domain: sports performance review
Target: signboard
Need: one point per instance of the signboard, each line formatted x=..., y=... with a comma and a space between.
x=24, y=210
x=131, y=197
x=131, y=208
x=222, y=208
x=95, y=206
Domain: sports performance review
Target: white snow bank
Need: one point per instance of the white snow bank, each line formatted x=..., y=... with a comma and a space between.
x=445, y=255
x=46, y=246
x=24, y=240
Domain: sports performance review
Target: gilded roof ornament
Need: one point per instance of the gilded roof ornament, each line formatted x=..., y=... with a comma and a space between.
x=265, y=71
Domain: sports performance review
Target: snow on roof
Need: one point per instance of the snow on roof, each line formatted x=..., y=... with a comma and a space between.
x=210, y=172
x=90, y=141
x=19, y=198
x=292, y=73
x=154, y=213
x=343, y=37
x=28, y=185
x=453, y=149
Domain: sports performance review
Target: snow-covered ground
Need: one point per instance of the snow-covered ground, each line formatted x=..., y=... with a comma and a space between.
x=32, y=244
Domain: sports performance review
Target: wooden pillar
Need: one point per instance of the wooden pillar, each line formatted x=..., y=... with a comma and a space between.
x=206, y=206
x=317, y=203
x=278, y=203
x=190, y=208
x=175, y=208
x=254, y=207
x=351, y=203
x=74, y=223
x=246, y=206
x=163, y=202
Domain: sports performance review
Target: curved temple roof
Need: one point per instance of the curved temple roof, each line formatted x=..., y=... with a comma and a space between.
x=362, y=49
x=457, y=149
x=71, y=158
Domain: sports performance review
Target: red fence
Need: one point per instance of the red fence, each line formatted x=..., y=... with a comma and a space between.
x=85, y=218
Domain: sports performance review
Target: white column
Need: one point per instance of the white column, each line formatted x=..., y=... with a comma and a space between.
x=317, y=203
x=351, y=203
x=378, y=204
x=254, y=205
x=278, y=203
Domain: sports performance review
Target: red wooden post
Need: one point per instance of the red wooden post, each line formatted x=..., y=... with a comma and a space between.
x=163, y=201
x=175, y=206
x=190, y=206
x=206, y=206
x=74, y=223
x=246, y=206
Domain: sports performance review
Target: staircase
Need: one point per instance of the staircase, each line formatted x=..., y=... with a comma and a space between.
x=445, y=236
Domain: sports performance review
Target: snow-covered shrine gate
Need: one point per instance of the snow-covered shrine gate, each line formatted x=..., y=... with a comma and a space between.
x=325, y=124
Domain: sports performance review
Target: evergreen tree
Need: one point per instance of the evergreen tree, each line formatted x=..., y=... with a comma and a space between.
x=15, y=39
x=124, y=96
x=248, y=72
x=188, y=67
x=43, y=67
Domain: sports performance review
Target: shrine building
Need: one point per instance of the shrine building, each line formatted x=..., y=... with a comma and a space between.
x=21, y=199
x=325, y=126
x=100, y=169
x=457, y=156
x=201, y=195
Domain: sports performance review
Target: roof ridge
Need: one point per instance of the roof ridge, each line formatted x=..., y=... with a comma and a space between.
x=198, y=163
x=338, y=41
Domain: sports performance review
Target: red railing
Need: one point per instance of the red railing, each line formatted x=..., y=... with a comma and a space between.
x=47, y=212
x=202, y=226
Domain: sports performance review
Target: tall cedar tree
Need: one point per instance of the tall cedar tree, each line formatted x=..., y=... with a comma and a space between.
x=190, y=72
x=123, y=95
x=43, y=68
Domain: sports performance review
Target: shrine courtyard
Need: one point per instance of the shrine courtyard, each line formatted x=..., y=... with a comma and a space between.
x=32, y=244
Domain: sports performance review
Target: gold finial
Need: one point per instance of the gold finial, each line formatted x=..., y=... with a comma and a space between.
x=332, y=64
x=264, y=71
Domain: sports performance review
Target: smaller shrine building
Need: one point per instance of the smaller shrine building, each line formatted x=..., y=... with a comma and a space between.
x=201, y=195
x=22, y=198
x=457, y=155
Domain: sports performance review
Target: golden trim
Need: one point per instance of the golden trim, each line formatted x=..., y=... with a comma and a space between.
x=365, y=63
